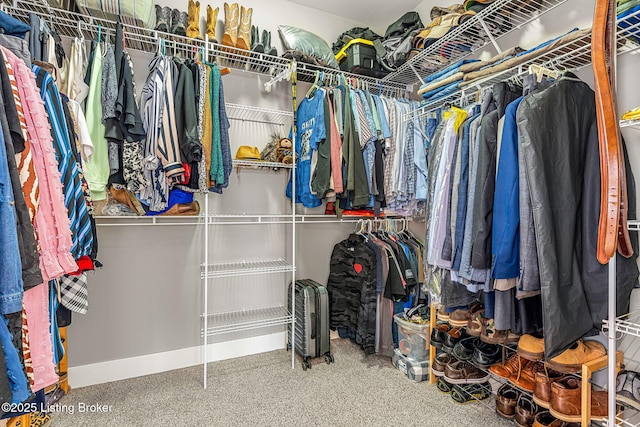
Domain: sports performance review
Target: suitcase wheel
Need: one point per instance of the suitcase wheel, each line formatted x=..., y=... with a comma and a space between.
x=328, y=358
x=306, y=365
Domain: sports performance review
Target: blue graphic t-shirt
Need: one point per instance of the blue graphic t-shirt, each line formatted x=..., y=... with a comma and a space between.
x=311, y=131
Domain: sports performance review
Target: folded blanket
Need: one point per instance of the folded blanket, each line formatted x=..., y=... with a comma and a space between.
x=527, y=55
x=440, y=83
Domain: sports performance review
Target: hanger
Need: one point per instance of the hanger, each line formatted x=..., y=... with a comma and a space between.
x=540, y=72
x=314, y=86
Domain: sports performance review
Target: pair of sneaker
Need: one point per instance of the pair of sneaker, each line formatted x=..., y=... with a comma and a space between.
x=465, y=393
x=628, y=388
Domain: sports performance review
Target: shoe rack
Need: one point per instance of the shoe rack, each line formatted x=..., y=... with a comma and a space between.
x=586, y=372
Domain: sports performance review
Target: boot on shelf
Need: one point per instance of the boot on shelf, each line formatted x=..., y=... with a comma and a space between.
x=163, y=18
x=212, y=18
x=193, y=27
x=256, y=44
x=231, y=23
x=266, y=41
x=179, y=22
x=244, y=30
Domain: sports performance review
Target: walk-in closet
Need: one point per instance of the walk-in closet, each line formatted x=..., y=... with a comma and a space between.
x=285, y=212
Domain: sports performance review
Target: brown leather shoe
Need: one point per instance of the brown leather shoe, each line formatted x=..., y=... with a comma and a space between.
x=462, y=372
x=599, y=405
x=506, y=400
x=512, y=366
x=572, y=359
x=531, y=347
x=526, y=410
x=566, y=395
x=440, y=363
x=566, y=399
x=545, y=419
x=542, y=386
x=526, y=378
x=460, y=317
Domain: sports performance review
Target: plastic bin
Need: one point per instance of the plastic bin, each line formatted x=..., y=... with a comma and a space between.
x=413, y=339
x=414, y=370
x=359, y=57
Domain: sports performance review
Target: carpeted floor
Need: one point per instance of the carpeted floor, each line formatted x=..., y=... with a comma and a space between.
x=263, y=390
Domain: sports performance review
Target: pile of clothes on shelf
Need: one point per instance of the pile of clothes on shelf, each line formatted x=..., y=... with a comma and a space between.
x=466, y=72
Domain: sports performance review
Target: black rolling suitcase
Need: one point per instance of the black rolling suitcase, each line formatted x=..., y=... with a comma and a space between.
x=312, y=322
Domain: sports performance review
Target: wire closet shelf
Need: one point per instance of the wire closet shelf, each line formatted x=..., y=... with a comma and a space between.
x=246, y=268
x=487, y=26
x=71, y=24
x=234, y=321
x=573, y=55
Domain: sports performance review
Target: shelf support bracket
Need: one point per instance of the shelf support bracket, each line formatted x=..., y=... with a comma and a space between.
x=415, y=71
x=486, y=30
x=282, y=75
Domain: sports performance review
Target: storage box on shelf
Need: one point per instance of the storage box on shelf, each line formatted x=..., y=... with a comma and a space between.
x=359, y=57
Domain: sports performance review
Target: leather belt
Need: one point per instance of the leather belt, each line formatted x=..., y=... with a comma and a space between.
x=612, y=227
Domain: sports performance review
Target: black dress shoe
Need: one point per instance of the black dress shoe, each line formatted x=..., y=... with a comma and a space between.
x=438, y=334
x=485, y=355
x=452, y=338
x=463, y=350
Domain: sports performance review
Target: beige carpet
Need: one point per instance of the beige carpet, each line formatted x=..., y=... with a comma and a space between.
x=263, y=390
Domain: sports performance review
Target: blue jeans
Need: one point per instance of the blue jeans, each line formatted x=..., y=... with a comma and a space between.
x=10, y=265
x=17, y=380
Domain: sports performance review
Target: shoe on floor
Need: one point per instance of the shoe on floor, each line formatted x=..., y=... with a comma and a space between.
x=465, y=393
x=443, y=385
x=506, y=401
x=526, y=410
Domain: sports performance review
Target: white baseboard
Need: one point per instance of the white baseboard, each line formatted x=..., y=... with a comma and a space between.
x=131, y=367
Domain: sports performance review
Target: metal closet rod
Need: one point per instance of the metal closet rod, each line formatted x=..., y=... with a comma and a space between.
x=314, y=74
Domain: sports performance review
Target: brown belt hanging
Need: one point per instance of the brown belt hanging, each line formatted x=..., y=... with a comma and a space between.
x=612, y=228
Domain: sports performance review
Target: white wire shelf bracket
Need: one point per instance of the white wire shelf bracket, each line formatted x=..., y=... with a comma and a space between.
x=628, y=324
x=222, y=323
x=247, y=113
x=573, y=55
x=71, y=24
x=488, y=26
x=246, y=268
